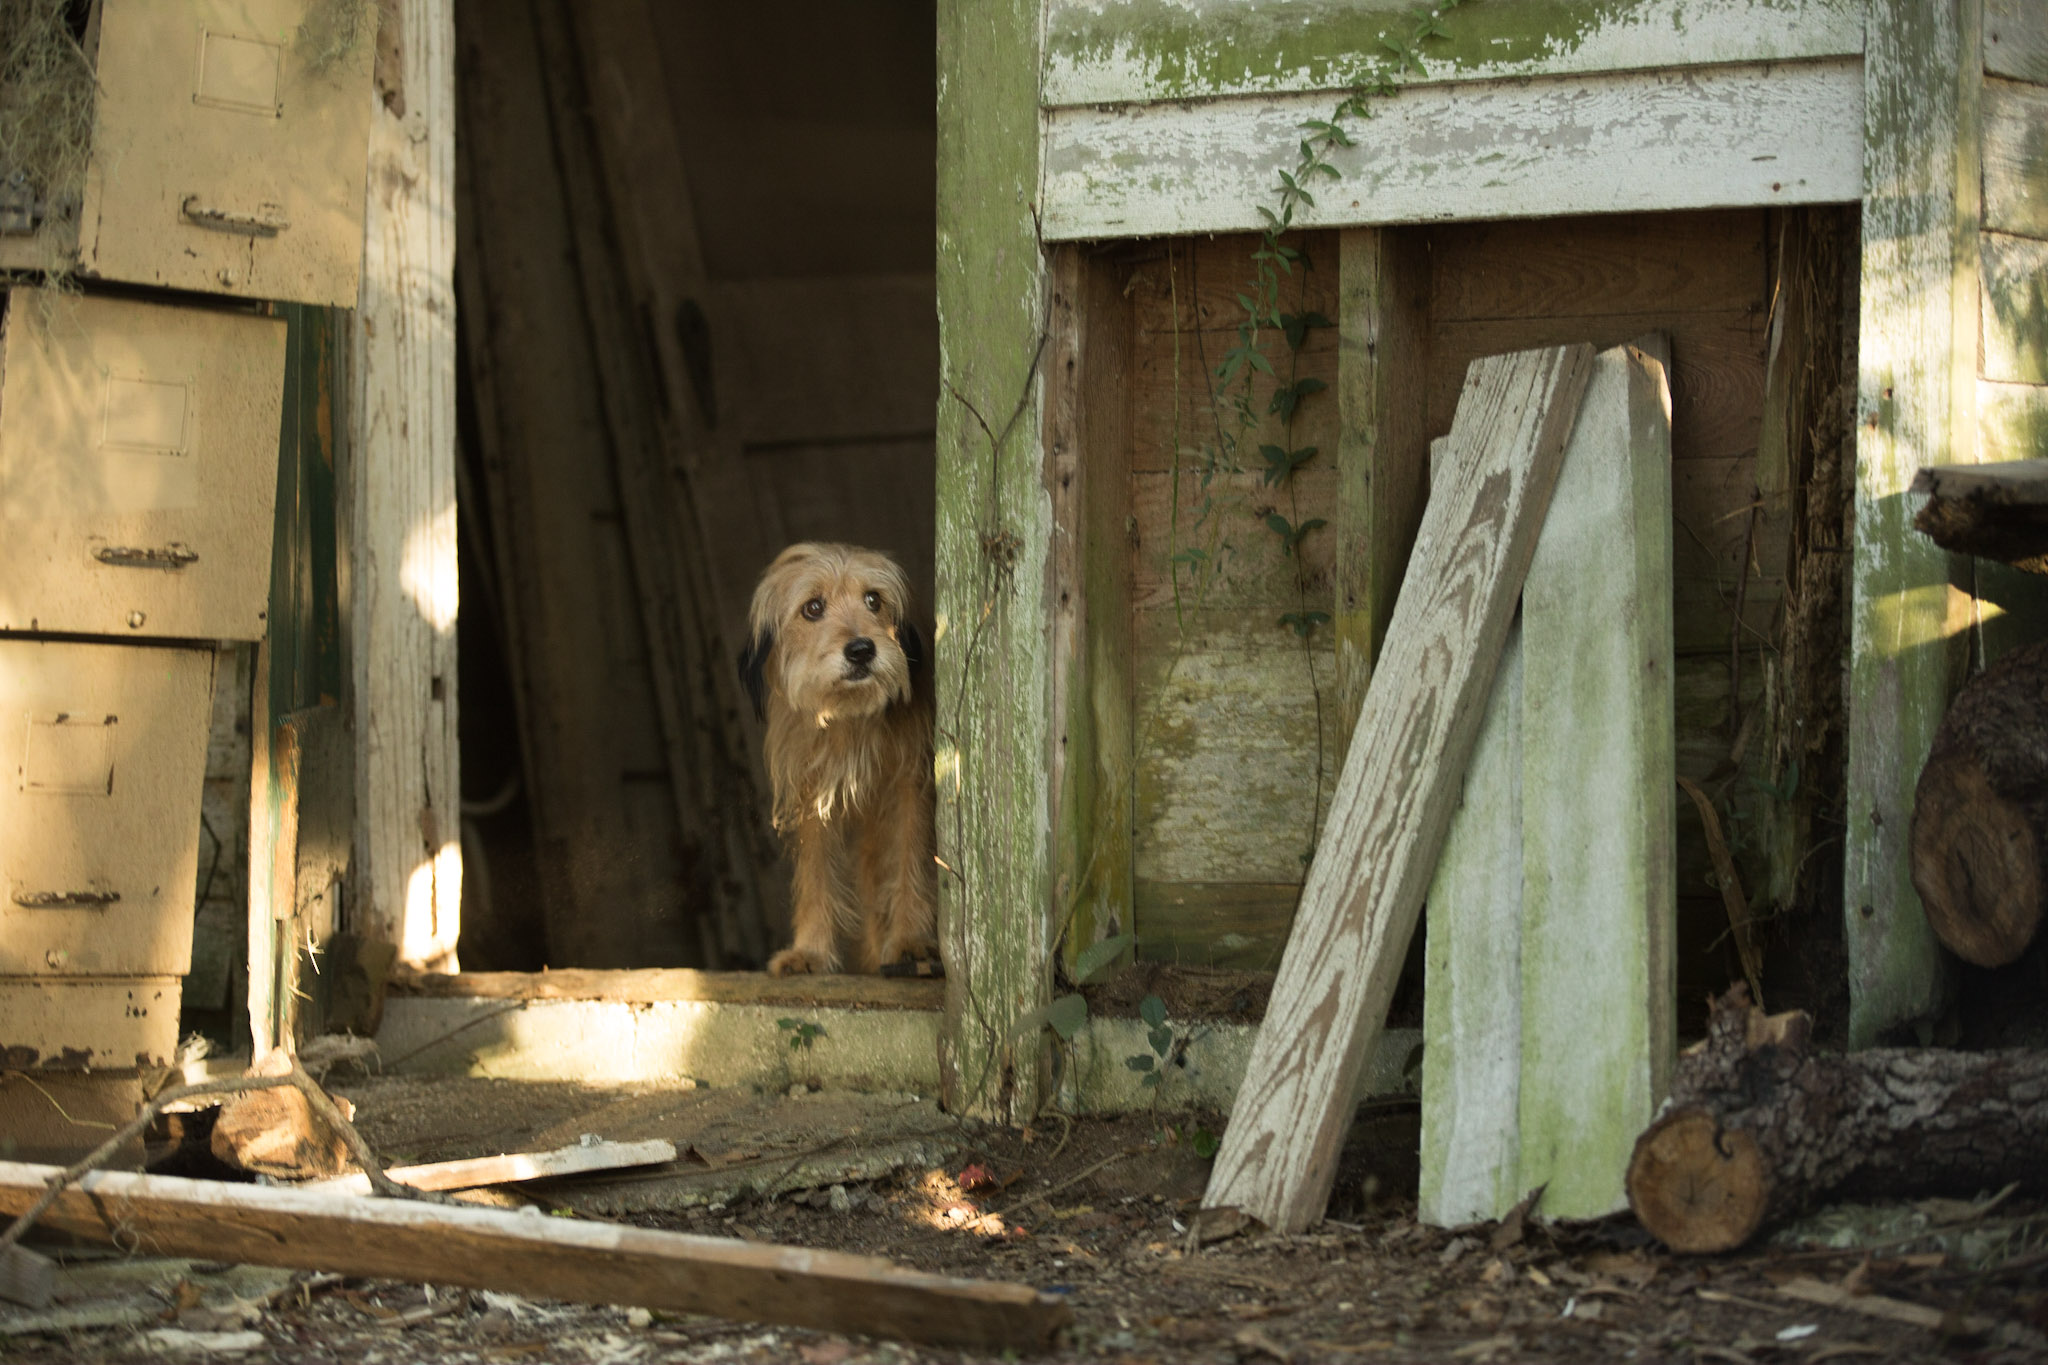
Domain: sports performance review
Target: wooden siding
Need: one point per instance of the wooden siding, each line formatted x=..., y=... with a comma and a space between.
x=1131, y=51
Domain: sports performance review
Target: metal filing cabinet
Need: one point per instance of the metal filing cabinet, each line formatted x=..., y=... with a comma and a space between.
x=84, y=1023
x=102, y=758
x=228, y=149
x=138, y=467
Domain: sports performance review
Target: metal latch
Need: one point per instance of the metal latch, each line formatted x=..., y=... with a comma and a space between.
x=172, y=556
x=66, y=900
x=265, y=220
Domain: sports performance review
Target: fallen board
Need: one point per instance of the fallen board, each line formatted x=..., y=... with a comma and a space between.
x=1548, y=994
x=582, y=1262
x=511, y=1168
x=1399, y=786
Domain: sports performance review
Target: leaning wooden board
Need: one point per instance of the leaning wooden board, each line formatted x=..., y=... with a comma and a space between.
x=1399, y=786
x=583, y=1262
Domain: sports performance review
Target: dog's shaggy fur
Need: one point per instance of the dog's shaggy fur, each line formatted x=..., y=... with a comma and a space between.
x=836, y=668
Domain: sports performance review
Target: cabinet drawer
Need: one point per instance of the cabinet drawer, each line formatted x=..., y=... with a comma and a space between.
x=138, y=467
x=73, y=1025
x=229, y=144
x=102, y=761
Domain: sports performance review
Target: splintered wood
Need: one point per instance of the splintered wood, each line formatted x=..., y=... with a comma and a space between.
x=1549, y=997
x=1399, y=786
x=582, y=1262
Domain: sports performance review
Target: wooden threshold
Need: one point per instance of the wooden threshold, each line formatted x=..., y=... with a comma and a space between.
x=660, y=985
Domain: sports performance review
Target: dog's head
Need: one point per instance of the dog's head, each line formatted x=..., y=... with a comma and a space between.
x=832, y=634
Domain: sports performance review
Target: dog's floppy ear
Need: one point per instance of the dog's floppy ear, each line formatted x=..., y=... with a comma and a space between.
x=753, y=659
x=911, y=643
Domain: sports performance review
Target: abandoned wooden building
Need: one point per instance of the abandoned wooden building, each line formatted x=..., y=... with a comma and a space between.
x=1128, y=329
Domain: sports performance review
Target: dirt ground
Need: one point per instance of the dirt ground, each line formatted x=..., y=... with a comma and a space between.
x=1094, y=1210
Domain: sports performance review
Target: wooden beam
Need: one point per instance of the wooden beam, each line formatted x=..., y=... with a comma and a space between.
x=1383, y=291
x=582, y=1262
x=1899, y=612
x=1399, y=787
x=993, y=555
x=658, y=984
x=1724, y=136
x=2016, y=40
x=401, y=418
x=1088, y=444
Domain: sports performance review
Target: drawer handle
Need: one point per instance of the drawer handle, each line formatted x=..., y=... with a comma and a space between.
x=171, y=556
x=66, y=900
x=266, y=221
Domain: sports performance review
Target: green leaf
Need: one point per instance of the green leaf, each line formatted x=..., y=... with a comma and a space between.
x=1140, y=1062
x=1281, y=526
x=1153, y=1079
x=1259, y=361
x=785, y=1023
x=1067, y=1015
x=1152, y=1010
x=1204, y=1142
x=1096, y=956
x=1161, y=1039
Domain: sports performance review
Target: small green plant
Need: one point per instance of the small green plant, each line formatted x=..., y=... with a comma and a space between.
x=1152, y=1010
x=801, y=1033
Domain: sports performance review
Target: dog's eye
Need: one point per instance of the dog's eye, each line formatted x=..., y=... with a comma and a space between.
x=814, y=609
x=874, y=601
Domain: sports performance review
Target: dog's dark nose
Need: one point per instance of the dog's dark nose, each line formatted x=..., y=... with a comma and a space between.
x=861, y=651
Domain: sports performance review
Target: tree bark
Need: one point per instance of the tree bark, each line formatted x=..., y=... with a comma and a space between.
x=1760, y=1128
x=1997, y=511
x=1980, y=813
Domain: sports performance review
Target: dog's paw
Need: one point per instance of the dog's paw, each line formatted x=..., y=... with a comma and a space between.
x=799, y=961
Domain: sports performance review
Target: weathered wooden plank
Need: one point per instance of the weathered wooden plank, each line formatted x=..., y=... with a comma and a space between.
x=1236, y=746
x=1721, y=137
x=403, y=591
x=1598, y=796
x=1899, y=665
x=1717, y=389
x=1382, y=451
x=1472, y=978
x=510, y=1168
x=1710, y=262
x=994, y=540
x=583, y=1262
x=1089, y=445
x=1111, y=51
x=1398, y=788
x=2014, y=309
x=2016, y=40
x=2016, y=157
x=2012, y=421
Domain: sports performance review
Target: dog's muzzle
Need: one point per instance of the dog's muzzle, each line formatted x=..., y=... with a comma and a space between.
x=860, y=653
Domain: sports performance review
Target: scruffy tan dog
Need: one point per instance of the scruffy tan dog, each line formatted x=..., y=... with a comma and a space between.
x=836, y=668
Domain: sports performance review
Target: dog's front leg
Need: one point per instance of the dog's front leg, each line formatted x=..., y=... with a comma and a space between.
x=821, y=898
x=899, y=881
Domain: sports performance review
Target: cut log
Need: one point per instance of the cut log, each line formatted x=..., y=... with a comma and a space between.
x=1760, y=1127
x=1980, y=813
x=582, y=1262
x=1995, y=511
x=1399, y=787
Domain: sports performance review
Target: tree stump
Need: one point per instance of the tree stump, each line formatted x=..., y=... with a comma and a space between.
x=1759, y=1127
x=1980, y=813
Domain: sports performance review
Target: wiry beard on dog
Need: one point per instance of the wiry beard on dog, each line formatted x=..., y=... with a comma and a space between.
x=835, y=668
